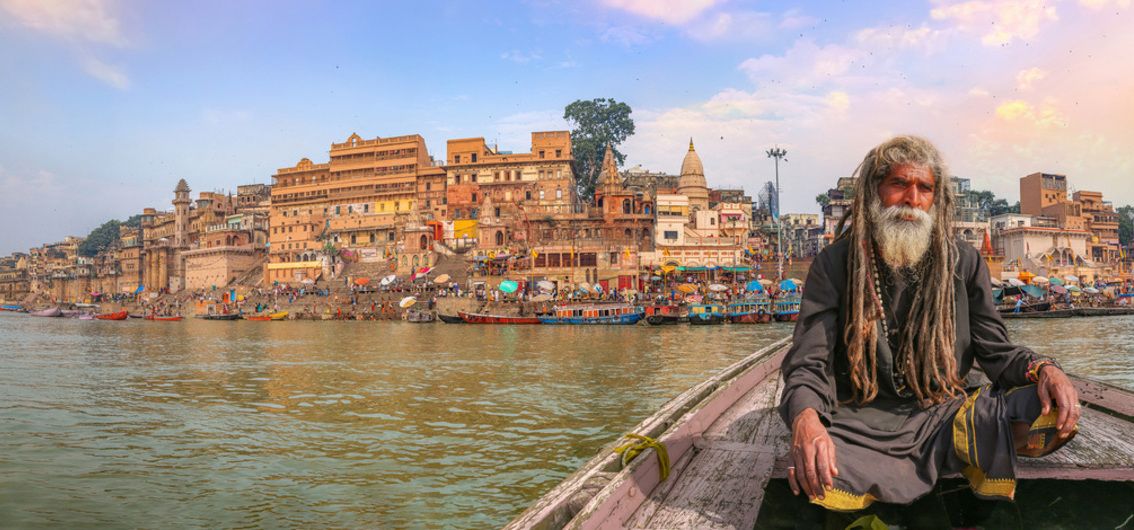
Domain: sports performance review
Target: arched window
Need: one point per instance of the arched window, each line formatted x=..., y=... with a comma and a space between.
x=499, y=238
x=416, y=262
x=646, y=209
x=424, y=243
x=626, y=206
x=628, y=233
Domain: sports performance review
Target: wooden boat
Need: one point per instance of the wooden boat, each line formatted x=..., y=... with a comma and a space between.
x=120, y=315
x=11, y=307
x=484, y=318
x=749, y=311
x=609, y=314
x=786, y=309
x=279, y=315
x=258, y=318
x=137, y=315
x=1053, y=313
x=72, y=313
x=665, y=314
x=175, y=318
x=220, y=316
x=726, y=443
x=1027, y=308
x=50, y=312
x=706, y=314
x=450, y=319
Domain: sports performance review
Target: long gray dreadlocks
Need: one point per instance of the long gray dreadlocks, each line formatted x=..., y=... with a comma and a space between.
x=928, y=335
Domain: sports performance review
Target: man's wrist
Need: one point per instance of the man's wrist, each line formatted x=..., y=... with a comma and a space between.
x=807, y=413
x=1037, y=366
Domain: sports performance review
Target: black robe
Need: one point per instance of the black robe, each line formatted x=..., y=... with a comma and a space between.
x=891, y=449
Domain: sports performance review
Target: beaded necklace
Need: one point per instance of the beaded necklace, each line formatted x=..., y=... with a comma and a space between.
x=899, y=372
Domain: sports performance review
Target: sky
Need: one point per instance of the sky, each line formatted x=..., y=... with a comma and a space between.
x=105, y=104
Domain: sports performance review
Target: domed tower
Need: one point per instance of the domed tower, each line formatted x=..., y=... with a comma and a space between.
x=181, y=214
x=692, y=183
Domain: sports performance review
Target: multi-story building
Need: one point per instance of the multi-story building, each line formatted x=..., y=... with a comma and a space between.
x=15, y=283
x=227, y=250
x=354, y=204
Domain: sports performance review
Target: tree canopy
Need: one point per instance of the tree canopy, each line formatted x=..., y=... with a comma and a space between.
x=100, y=238
x=995, y=206
x=596, y=124
x=1125, y=224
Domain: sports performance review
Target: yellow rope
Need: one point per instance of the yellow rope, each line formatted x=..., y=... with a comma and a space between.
x=629, y=450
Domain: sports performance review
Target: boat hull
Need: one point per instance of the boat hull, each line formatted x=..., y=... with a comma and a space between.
x=706, y=320
x=481, y=318
x=615, y=320
x=787, y=317
x=750, y=318
x=120, y=315
x=259, y=318
x=664, y=320
x=230, y=316
x=52, y=312
x=450, y=319
x=165, y=319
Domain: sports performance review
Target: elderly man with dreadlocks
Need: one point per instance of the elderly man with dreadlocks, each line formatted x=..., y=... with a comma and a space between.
x=895, y=313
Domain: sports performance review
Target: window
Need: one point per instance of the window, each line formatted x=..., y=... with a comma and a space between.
x=628, y=233
x=390, y=235
x=353, y=239
x=474, y=198
x=397, y=205
x=713, y=221
x=497, y=211
x=553, y=260
x=499, y=238
x=528, y=195
x=588, y=259
x=626, y=206
x=427, y=203
x=350, y=208
x=558, y=193
x=671, y=234
x=285, y=213
x=366, y=208
x=456, y=159
x=423, y=243
x=558, y=153
x=427, y=186
x=614, y=258
x=541, y=195
x=338, y=210
x=541, y=153
x=472, y=177
x=474, y=157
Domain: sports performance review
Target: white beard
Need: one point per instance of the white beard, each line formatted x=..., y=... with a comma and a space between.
x=902, y=243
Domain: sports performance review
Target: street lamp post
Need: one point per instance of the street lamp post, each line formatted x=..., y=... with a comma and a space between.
x=778, y=153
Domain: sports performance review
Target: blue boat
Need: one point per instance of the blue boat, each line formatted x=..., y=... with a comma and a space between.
x=786, y=309
x=11, y=308
x=756, y=310
x=617, y=314
x=706, y=314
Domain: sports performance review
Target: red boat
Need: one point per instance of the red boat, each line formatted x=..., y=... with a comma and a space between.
x=164, y=319
x=479, y=318
x=121, y=315
x=258, y=318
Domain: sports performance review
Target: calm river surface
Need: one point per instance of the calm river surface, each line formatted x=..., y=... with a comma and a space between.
x=348, y=424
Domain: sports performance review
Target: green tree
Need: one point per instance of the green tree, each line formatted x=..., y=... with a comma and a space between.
x=100, y=238
x=1125, y=224
x=134, y=221
x=823, y=200
x=596, y=124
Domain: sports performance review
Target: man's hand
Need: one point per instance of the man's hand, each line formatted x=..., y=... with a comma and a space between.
x=812, y=455
x=1055, y=389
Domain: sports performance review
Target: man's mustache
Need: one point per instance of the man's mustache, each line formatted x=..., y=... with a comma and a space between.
x=904, y=213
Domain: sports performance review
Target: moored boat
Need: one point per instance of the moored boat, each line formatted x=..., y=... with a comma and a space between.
x=616, y=314
x=727, y=450
x=749, y=311
x=11, y=307
x=450, y=319
x=484, y=318
x=706, y=314
x=786, y=309
x=258, y=318
x=665, y=314
x=420, y=317
x=175, y=318
x=119, y=315
x=220, y=316
x=50, y=312
x=279, y=315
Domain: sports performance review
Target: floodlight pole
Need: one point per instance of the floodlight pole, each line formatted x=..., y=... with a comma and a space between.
x=778, y=153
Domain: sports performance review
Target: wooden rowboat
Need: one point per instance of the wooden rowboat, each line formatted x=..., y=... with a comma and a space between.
x=726, y=441
x=450, y=319
x=120, y=315
x=220, y=316
x=50, y=312
x=278, y=315
x=258, y=318
x=164, y=319
x=482, y=318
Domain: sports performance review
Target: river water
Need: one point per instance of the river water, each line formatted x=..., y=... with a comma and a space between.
x=354, y=424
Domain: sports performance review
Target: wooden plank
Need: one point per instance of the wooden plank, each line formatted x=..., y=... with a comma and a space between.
x=724, y=485
x=616, y=504
x=1105, y=396
x=557, y=507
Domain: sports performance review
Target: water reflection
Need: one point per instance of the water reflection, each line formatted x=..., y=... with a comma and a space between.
x=249, y=424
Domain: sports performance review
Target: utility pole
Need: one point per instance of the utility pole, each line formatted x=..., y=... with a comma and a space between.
x=777, y=153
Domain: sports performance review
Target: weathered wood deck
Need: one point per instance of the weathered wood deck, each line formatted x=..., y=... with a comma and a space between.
x=722, y=466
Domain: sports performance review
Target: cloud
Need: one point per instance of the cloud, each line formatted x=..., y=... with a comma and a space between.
x=627, y=36
x=1103, y=4
x=674, y=12
x=79, y=20
x=795, y=19
x=514, y=132
x=520, y=57
x=804, y=65
x=1000, y=21
x=1045, y=115
x=107, y=73
x=741, y=25
x=901, y=37
x=1026, y=78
